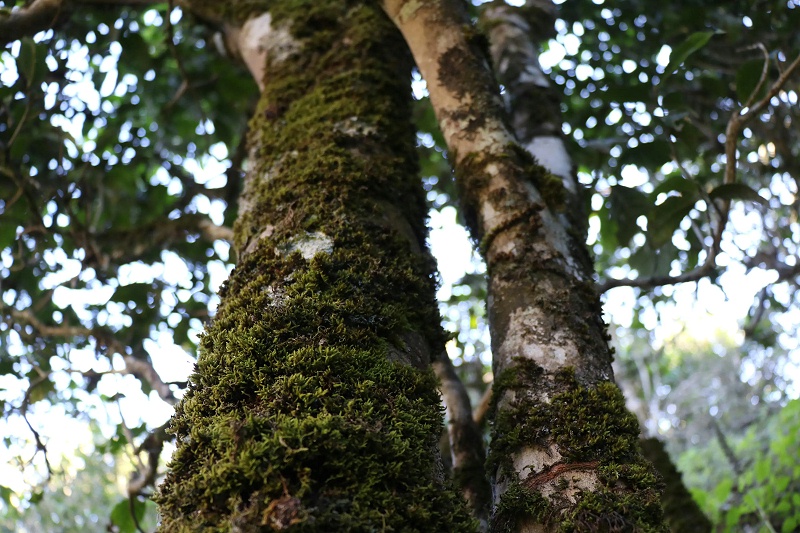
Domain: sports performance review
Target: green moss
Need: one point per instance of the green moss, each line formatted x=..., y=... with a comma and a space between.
x=296, y=417
x=550, y=186
x=233, y=12
x=518, y=504
x=588, y=425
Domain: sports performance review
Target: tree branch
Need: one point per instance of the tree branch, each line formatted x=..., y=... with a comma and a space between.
x=41, y=15
x=466, y=441
x=140, y=367
x=734, y=127
x=26, y=21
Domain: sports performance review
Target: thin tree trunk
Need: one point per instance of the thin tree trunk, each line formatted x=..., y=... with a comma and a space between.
x=564, y=452
x=313, y=406
x=534, y=106
x=682, y=513
x=465, y=439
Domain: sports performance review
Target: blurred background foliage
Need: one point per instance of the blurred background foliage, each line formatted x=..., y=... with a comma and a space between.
x=121, y=157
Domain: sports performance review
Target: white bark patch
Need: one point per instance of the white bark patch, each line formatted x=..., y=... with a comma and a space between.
x=277, y=297
x=551, y=153
x=353, y=127
x=558, y=238
x=259, y=40
x=308, y=244
x=533, y=460
x=265, y=234
x=577, y=481
x=483, y=140
x=531, y=527
x=254, y=181
x=556, y=241
x=531, y=335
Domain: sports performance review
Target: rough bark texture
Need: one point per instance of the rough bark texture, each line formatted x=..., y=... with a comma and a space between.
x=313, y=406
x=564, y=452
x=680, y=510
x=533, y=103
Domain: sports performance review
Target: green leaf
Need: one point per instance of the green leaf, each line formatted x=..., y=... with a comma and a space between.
x=31, y=61
x=26, y=62
x=627, y=204
x=122, y=515
x=680, y=53
x=648, y=155
x=723, y=490
x=676, y=183
x=133, y=292
x=5, y=494
x=737, y=191
x=664, y=219
x=762, y=469
x=41, y=389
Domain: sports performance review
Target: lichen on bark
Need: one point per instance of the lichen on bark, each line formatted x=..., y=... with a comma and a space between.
x=312, y=407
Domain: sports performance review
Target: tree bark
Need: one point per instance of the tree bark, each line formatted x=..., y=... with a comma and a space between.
x=682, y=513
x=313, y=406
x=564, y=452
x=534, y=107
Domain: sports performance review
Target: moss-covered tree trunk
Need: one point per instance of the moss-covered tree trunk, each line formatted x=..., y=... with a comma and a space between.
x=313, y=407
x=564, y=453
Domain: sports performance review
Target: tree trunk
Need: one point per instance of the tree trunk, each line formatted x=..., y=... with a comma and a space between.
x=682, y=513
x=313, y=406
x=564, y=451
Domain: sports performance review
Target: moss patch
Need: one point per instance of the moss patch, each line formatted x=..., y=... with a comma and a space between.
x=296, y=419
x=590, y=426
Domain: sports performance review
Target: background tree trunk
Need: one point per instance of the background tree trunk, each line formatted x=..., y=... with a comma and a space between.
x=680, y=509
x=313, y=401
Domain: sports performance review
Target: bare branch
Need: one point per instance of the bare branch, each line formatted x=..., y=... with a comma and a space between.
x=23, y=409
x=764, y=73
x=138, y=366
x=479, y=416
x=152, y=446
x=696, y=274
x=211, y=232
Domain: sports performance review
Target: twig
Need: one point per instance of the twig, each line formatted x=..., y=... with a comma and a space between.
x=764, y=72
x=479, y=416
x=23, y=409
x=737, y=471
x=37, y=16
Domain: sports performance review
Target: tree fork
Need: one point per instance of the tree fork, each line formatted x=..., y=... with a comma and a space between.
x=313, y=406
